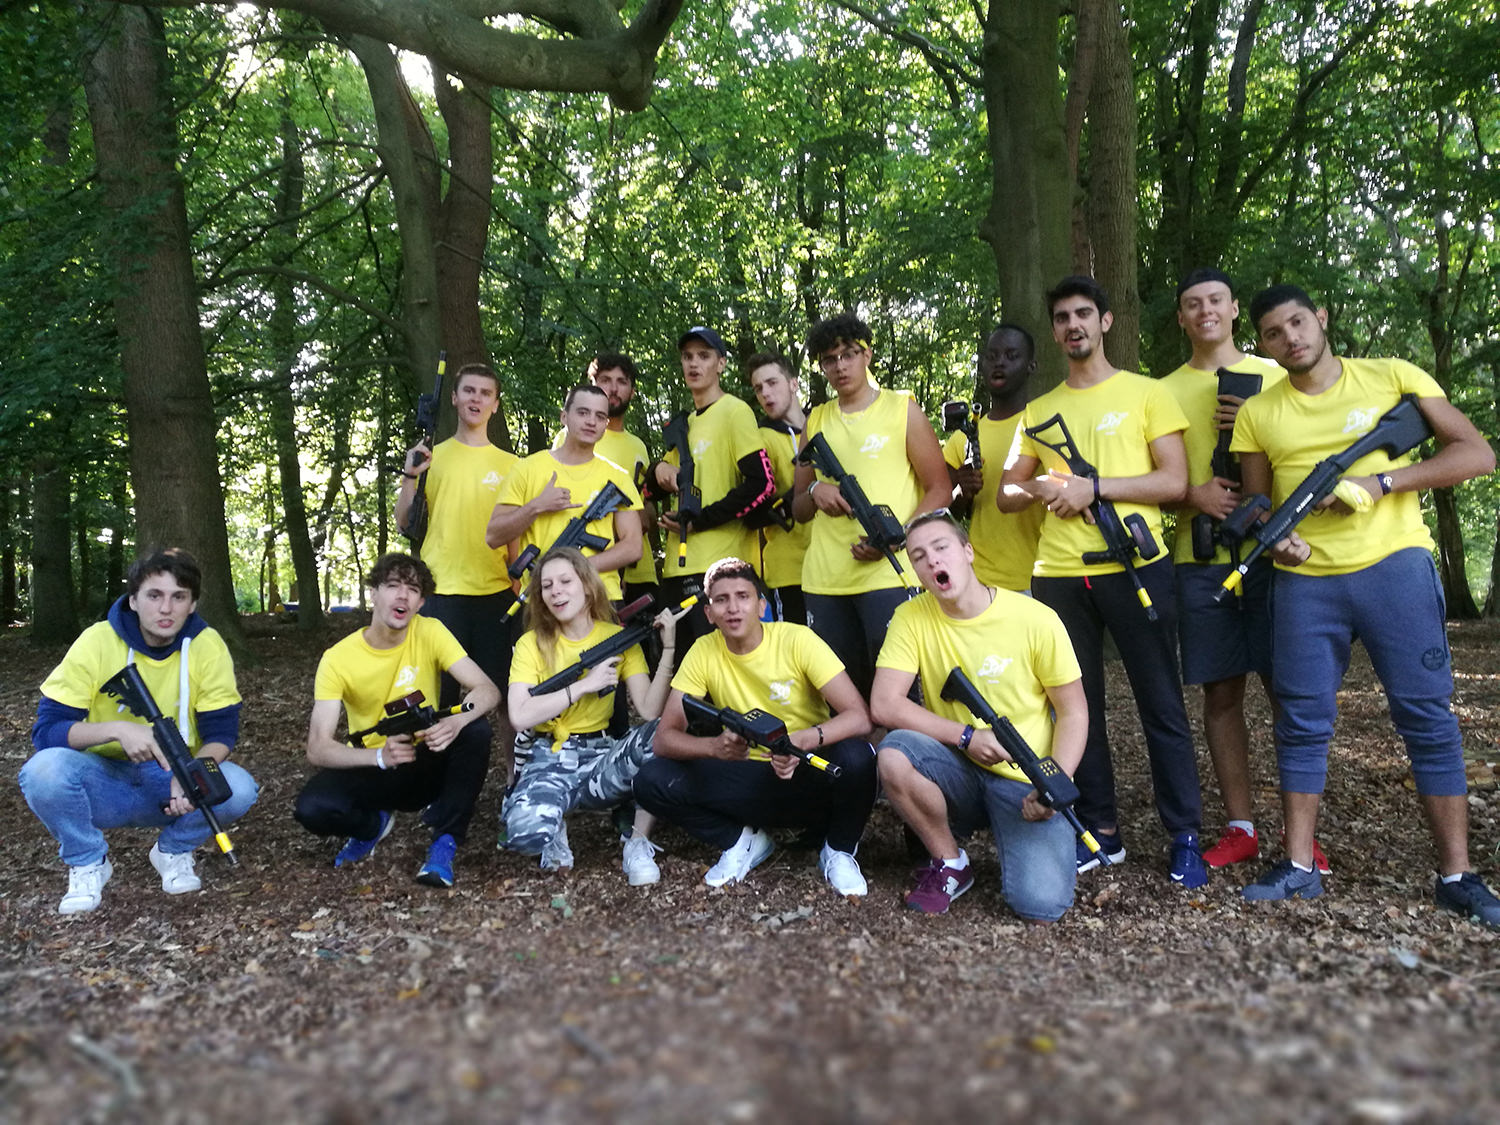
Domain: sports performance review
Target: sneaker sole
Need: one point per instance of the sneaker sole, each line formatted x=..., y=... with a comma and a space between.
x=649, y=880
x=1115, y=859
x=954, y=897
x=433, y=879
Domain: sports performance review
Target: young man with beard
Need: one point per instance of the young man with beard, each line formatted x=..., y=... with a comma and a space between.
x=1129, y=428
x=1004, y=542
x=782, y=548
x=1360, y=566
x=439, y=770
x=726, y=793
x=945, y=777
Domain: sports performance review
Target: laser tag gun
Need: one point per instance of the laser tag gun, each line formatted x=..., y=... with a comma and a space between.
x=407, y=715
x=689, y=496
x=758, y=728
x=1205, y=529
x=636, y=617
x=1054, y=788
x=960, y=415
x=1125, y=539
x=201, y=780
x=575, y=534
x=882, y=529
x=428, y=406
x=1399, y=430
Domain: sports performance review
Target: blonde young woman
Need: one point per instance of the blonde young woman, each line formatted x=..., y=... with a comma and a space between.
x=566, y=756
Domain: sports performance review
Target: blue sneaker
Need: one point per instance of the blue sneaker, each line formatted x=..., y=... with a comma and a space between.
x=1284, y=881
x=438, y=870
x=1471, y=898
x=355, y=850
x=1109, y=845
x=1187, y=861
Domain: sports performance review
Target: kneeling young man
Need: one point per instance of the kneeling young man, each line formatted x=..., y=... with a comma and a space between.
x=727, y=793
x=98, y=766
x=944, y=777
x=440, y=769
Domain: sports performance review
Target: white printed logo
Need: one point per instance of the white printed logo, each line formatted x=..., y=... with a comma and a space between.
x=406, y=677
x=781, y=691
x=874, y=444
x=1110, y=424
x=994, y=667
x=1360, y=421
x=701, y=448
x=491, y=479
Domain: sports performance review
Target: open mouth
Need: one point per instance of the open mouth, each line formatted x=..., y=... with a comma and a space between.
x=942, y=580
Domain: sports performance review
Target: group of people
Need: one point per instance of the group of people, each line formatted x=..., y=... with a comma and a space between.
x=795, y=659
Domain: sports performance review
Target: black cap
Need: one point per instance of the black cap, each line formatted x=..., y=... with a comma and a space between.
x=707, y=335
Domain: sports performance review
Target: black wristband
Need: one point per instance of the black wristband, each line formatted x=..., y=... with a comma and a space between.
x=966, y=738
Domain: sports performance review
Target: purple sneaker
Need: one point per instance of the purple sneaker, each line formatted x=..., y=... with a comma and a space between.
x=938, y=886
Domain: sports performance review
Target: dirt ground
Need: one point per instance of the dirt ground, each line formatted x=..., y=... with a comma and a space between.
x=287, y=991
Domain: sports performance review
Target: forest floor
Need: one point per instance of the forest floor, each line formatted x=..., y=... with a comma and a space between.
x=287, y=991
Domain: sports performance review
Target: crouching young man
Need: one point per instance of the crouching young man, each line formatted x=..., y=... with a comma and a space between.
x=727, y=793
x=440, y=770
x=98, y=766
x=945, y=777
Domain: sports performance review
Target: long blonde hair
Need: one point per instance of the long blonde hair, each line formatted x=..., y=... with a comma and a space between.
x=539, y=616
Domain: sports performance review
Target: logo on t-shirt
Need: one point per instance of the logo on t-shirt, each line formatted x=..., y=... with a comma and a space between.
x=406, y=677
x=781, y=691
x=701, y=447
x=874, y=443
x=994, y=667
x=1360, y=421
x=491, y=479
x=1110, y=424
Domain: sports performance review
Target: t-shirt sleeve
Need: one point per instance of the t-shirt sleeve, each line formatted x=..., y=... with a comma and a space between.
x=900, y=649
x=955, y=449
x=516, y=488
x=1055, y=661
x=1411, y=379
x=692, y=676
x=1244, y=438
x=819, y=662
x=744, y=434
x=1163, y=412
x=526, y=661
x=212, y=673
x=329, y=682
x=633, y=663
x=75, y=682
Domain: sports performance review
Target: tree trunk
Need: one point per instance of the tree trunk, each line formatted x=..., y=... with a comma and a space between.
x=54, y=619
x=10, y=512
x=168, y=404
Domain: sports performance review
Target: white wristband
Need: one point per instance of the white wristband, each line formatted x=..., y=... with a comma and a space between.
x=380, y=756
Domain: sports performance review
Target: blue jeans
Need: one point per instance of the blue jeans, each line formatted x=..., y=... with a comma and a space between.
x=1038, y=861
x=1395, y=608
x=76, y=794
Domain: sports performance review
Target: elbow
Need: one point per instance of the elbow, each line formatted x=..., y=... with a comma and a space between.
x=881, y=715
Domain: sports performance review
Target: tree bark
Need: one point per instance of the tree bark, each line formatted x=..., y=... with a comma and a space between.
x=54, y=619
x=10, y=510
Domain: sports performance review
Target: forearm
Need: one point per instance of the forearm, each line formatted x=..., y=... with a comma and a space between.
x=617, y=556
x=1068, y=737
x=508, y=522
x=328, y=753
x=1015, y=496
x=215, y=750
x=1451, y=465
x=846, y=724
x=1160, y=486
x=405, y=497
x=82, y=736
x=527, y=710
x=902, y=714
x=678, y=745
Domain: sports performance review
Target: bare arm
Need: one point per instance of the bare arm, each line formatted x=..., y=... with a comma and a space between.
x=626, y=549
x=1462, y=454
x=1019, y=488
x=851, y=718
x=327, y=752
x=926, y=457
x=418, y=460
x=649, y=696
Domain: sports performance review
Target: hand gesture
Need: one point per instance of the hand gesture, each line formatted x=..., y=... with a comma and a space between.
x=554, y=498
x=864, y=552
x=139, y=743
x=970, y=481
x=177, y=804
x=1033, y=809
x=1071, y=495
x=418, y=458
x=784, y=765
x=666, y=622
x=1225, y=412
x=1291, y=551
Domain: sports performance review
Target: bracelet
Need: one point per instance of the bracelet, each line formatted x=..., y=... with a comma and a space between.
x=966, y=738
x=410, y=476
x=380, y=756
x=568, y=691
x=820, y=734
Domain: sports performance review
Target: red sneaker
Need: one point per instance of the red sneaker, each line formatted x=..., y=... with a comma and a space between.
x=1235, y=846
x=938, y=887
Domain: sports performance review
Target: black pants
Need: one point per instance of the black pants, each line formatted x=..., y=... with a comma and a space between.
x=714, y=801
x=789, y=605
x=348, y=802
x=478, y=622
x=1148, y=649
x=854, y=626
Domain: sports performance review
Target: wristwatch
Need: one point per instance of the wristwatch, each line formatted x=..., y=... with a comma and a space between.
x=966, y=738
x=1386, y=484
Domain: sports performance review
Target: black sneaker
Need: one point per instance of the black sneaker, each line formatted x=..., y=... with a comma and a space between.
x=1109, y=846
x=1469, y=897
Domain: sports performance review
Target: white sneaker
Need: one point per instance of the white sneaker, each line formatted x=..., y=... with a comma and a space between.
x=740, y=858
x=842, y=872
x=640, y=862
x=176, y=871
x=556, y=854
x=85, y=887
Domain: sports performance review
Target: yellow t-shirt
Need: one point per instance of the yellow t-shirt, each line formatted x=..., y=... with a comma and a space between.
x=629, y=452
x=1113, y=424
x=590, y=711
x=1013, y=652
x=784, y=675
x=463, y=486
x=871, y=446
x=720, y=434
x=782, y=551
x=100, y=652
x=1296, y=430
x=584, y=482
x=1197, y=392
x=1004, y=542
x=365, y=678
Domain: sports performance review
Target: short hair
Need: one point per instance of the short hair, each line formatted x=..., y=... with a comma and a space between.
x=612, y=361
x=1078, y=285
x=1269, y=298
x=732, y=567
x=762, y=359
x=942, y=516
x=403, y=568
x=1201, y=275
x=483, y=370
x=1007, y=326
x=165, y=560
x=846, y=327
x=581, y=388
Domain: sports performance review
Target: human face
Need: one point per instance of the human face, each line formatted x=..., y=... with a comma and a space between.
x=562, y=591
x=163, y=607
x=701, y=365
x=1294, y=336
x=588, y=417
x=617, y=385
x=775, y=390
x=943, y=562
x=1078, y=327
x=476, y=398
x=847, y=368
x=395, y=602
x=1005, y=361
x=1206, y=312
x=734, y=608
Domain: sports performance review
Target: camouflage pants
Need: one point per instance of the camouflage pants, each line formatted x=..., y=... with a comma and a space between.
x=585, y=772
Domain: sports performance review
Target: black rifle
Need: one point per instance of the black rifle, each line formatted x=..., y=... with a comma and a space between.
x=1399, y=430
x=415, y=527
x=689, y=496
x=1054, y=788
x=407, y=715
x=1123, y=539
x=637, y=619
x=960, y=415
x=882, y=529
x=1224, y=464
x=757, y=727
x=575, y=534
x=201, y=780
